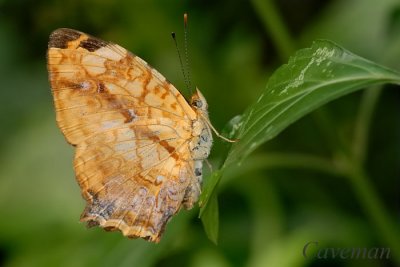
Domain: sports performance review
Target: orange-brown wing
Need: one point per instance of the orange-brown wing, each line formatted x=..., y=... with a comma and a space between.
x=131, y=128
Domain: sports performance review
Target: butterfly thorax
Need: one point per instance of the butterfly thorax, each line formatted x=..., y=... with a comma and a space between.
x=201, y=142
x=199, y=146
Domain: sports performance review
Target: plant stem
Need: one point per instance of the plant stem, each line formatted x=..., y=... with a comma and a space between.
x=364, y=191
x=275, y=27
x=375, y=210
x=282, y=160
x=363, y=122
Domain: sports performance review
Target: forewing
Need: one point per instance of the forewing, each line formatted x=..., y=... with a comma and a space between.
x=98, y=86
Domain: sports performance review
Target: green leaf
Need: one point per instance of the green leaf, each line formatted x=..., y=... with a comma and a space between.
x=313, y=77
x=210, y=219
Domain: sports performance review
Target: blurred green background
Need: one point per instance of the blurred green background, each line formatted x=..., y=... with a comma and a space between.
x=283, y=197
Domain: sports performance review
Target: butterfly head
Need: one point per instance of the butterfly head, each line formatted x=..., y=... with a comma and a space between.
x=198, y=102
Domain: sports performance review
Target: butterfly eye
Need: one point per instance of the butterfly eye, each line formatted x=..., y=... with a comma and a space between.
x=197, y=103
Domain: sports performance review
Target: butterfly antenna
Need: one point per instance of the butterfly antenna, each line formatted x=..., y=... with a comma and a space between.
x=181, y=63
x=185, y=23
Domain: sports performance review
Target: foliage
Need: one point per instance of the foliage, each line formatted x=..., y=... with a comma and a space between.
x=313, y=77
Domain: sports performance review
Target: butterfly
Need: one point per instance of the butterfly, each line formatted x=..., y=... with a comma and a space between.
x=139, y=144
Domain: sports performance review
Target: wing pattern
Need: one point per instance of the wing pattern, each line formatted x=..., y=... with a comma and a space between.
x=132, y=130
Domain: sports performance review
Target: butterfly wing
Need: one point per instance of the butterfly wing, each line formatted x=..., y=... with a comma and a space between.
x=131, y=129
